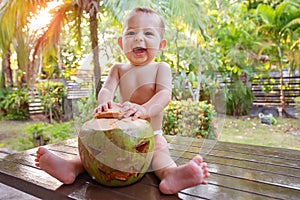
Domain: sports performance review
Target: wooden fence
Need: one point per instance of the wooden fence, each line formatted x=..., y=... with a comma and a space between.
x=267, y=90
x=81, y=87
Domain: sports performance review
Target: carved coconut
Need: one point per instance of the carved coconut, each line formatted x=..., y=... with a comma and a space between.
x=116, y=151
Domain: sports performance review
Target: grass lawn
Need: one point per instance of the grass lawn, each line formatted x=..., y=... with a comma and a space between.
x=285, y=134
x=10, y=131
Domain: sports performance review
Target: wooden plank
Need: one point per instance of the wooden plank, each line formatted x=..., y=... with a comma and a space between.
x=211, y=191
x=236, y=148
x=233, y=170
x=280, y=170
x=26, y=160
x=258, y=174
x=30, y=188
x=29, y=173
x=43, y=180
x=135, y=191
x=237, y=170
x=231, y=160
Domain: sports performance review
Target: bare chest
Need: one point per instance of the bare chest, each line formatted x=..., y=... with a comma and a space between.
x=138, y=84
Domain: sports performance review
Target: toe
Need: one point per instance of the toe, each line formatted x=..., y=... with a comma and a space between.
x=198, y=160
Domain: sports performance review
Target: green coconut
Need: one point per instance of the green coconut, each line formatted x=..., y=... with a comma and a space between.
x=116, y=152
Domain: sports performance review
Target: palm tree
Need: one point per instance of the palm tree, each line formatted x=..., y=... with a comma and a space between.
x=92, y=8
x=24, y=43
x=13, y=23
x=278, y=29
x=16, y=12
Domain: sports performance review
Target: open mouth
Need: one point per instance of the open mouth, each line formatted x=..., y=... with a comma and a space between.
x=139, y=50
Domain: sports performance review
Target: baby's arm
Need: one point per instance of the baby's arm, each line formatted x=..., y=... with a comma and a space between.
x=107, y=92
x=163, y=93
x=158, y=102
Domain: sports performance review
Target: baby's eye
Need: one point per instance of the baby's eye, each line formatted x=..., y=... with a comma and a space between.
x=130, y=33
x=148, y=33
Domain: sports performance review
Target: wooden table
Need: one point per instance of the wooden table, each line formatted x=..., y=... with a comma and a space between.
x=237, y=172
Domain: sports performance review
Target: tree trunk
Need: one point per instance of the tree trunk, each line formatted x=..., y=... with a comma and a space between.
x=95, y=49
x=7, y=72
x=282, y=96
x=199, y=74
x=177, y=52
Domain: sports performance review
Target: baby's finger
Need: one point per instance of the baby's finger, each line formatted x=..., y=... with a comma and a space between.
x=100, y=108
x=130, y=112
x=136, y=115
x=126, y=107
x=109, y=104
x=119, y=105
x=97, y=110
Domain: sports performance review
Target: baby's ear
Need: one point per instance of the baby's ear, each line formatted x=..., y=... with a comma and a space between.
x=162, y=44
x=120, y=42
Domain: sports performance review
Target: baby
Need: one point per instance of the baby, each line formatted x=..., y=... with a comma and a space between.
x=145, y=90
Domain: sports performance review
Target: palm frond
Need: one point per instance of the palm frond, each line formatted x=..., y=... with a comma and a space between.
x=266, y=13
x=51, y=37
x=119, y=8
x=294, y=22
x=280, y=9
x=13, y=18
x=266, y=29
x=187, y=12
x=295, y=3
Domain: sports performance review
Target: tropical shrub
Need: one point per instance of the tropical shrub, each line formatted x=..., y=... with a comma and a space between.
x=15, y=103
x=50, y=133
x=52, y=94
x=239, y=99
x=189, y=118
x=3, y=93
x=83, y=110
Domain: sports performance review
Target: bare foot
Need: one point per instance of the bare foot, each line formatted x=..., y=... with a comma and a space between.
x=65, y=171
x=185, y=176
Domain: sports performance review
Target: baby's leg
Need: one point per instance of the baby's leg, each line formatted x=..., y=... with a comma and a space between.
x=65, y=171
x=173, y=178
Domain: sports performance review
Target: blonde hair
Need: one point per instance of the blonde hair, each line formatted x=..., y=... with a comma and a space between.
x=146, y=11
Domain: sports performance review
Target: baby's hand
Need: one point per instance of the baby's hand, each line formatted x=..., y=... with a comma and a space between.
x=134, y=110
x=103, y=107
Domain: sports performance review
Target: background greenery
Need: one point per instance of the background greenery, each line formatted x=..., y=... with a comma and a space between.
x=188, y=118
x=211, y=43
x=285, y=134
x=212, y=46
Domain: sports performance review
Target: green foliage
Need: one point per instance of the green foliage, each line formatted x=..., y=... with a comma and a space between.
x=179, y=90
x=3, y=93
x=84, y=110
x=70, y=59
x=188, y=118
x=15, y=103
x=297, y=101
x=52, y=95
x=54, y=132
x=238, y=99
x=278, y=28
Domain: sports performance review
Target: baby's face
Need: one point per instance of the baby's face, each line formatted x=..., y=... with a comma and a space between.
x=141, y=39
